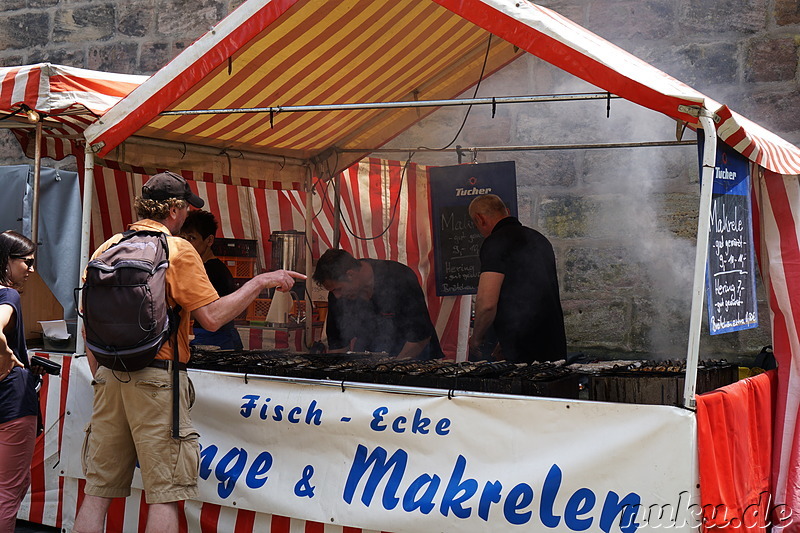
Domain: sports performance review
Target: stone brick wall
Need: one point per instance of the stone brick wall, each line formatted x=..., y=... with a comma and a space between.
x=622, y=221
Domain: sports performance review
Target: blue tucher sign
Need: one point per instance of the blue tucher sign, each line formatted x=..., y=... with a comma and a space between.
x=456, y=242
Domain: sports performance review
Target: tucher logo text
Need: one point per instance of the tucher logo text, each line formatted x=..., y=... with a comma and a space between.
x=725, y=174
x=474, y=191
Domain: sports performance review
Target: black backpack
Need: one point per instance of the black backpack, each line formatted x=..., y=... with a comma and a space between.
x=125, y=312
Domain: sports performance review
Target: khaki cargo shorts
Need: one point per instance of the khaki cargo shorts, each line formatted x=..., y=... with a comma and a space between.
x=132, y=420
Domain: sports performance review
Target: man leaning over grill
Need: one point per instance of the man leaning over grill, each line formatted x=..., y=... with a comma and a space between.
x=517, y=288
x=132, y=416
x=375, y=306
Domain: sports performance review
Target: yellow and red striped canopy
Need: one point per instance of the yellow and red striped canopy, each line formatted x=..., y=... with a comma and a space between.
x=272, y=53
x=300, y=53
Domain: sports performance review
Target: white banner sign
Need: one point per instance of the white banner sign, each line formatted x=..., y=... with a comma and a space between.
x=404, y=462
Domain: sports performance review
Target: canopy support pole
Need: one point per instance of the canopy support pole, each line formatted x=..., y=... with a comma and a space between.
x=86, y=226
x=464, y=315
x=37, y=175
x=202, y=149
x=701, y=257
x=337, y=209
x=531, y=148
x=309, y=323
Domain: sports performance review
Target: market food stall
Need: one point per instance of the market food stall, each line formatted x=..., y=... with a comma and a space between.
x=344, y=455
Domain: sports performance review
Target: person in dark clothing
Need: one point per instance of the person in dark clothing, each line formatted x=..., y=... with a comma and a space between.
x=200, y=229
x=375, y=306
x=517, y=289
x=19, y=403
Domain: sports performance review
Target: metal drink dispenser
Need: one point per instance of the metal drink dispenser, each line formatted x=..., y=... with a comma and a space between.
x=288, y=250
x=288, y=253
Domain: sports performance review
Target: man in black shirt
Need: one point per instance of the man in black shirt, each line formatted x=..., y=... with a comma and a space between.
x=517, y=289
x=199, y=229
x=375, y=306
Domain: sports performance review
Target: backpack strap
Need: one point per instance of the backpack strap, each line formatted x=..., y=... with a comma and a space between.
x=176, y=378
x=175, y=322
x=76, y=292
x=162, y=238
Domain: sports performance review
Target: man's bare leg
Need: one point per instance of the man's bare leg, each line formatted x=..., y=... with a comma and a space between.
x=92, y=515
x=163, y=518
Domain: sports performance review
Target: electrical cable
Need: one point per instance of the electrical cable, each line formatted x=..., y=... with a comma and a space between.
x=324, y=197
x=408, y=161
x=411, y=155
x=394, y=208
x=10, y=115
x=469, y=108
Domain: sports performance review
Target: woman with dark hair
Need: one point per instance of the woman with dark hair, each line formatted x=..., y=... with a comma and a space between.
x=19, y=403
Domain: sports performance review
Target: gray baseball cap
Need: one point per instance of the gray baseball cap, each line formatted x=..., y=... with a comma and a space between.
x=170, y=185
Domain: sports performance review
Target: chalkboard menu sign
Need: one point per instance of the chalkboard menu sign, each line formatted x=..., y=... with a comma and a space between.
x=730, y=274
x=456, y=242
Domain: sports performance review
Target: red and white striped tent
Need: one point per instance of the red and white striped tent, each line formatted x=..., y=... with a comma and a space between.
x=300, y=52
x=66, y=98
x=297, y=52
x=279, y=53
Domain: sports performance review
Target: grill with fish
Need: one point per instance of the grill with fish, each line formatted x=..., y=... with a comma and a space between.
x=638, y=381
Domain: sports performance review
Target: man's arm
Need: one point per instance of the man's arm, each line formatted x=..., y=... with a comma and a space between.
x=93, y=364
x=337, y=350
x=489, y=285
x=412, y=315
x=334, y=328
x=411, y=350
x=219, y=312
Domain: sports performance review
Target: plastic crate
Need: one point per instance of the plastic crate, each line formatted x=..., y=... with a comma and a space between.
x=240, y=267
x=235, y=247
x=298, y=309
x=238, y=282
x=258, y=309
x=320, y=311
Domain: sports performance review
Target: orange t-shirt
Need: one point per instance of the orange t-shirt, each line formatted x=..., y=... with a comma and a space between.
x=187, y=283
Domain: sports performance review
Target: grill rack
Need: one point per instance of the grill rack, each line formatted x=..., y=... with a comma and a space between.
x=657, y=382
x=622, y=381
x=534, y=379
x=666, y=367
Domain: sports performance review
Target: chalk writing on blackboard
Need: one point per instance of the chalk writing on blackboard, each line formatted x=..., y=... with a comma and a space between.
x=460, y=244
x=730, y=278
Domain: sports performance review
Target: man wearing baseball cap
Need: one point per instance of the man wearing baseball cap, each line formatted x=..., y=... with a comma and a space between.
x=170, y=185
x=132, y=413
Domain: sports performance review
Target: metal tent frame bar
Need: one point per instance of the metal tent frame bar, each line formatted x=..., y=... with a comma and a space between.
x=493, y=101
x=216, y=151
x=531, y=148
